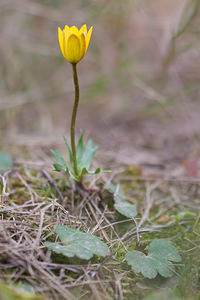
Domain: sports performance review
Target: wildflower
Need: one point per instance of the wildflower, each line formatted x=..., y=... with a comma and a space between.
x=73, y=42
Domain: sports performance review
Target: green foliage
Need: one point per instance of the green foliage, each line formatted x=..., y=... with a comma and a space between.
x=164, y=295
x=87, y=156
x=160, y=255
x=76, y=243
x=69, y=150
x=5, y=161
x=79, y=150
x=83, y=156
x=15, y=293
x=121, y=205
x=183, y=214
x=126, y=209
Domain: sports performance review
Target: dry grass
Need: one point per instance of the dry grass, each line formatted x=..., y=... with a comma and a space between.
x=33, y=202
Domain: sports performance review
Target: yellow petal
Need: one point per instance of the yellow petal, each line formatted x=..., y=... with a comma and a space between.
x=74, y=30
x=60, y=39
x=66, y=33
x=88, y=38
x=66, y=28
x=73, y=46
x=83, y=45
x=83, y=29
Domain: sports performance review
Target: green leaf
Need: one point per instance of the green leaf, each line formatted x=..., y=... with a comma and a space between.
x=5, y=161
x=79, y=150
x=161, y=254
x=25, y=288
x=14, y=293
x=88, y=154
x=126, y=209
x=164, y=294
x=83, y=160
x=165, y=249
x=71, y=175
x=97, y=171
x=85, y=171
x=121, y=205
x=76, y=243
x=59, y=158
x=183, y=214
x=141, y=263
x=69, y=150
x=106, y=171
x=58, y=167
x=116, y=190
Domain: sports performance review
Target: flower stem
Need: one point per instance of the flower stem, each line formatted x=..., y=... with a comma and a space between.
x=73, y=119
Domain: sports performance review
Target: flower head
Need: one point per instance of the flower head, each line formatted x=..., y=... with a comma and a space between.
x=73, y=42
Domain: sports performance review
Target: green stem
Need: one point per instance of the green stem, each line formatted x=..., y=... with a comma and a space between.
x=73, y=120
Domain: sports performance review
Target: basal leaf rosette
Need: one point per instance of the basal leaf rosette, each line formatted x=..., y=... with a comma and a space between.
x=84, y=157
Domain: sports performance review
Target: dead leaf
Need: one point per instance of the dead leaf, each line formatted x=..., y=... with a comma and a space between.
x=164, y=219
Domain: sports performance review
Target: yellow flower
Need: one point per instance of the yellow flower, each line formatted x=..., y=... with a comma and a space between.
x=73, y=42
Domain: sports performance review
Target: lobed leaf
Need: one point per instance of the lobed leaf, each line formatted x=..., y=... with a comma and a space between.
x=141, y=263
x=165, y=249
x=76, y=243
x=160, y=255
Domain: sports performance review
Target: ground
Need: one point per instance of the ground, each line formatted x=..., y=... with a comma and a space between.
x=35, y=198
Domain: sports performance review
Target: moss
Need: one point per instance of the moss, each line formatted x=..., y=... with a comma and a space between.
x=184, y=286
x=121, y=254
x=181, y=233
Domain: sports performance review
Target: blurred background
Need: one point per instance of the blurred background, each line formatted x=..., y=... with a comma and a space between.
x=139, y=80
